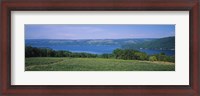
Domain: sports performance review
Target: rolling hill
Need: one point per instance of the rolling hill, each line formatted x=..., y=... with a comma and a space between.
x=167, y=43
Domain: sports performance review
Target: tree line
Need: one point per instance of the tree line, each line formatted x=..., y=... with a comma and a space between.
x=47, y=52
x=131, y=54
x=126, y=54
x=166, y=43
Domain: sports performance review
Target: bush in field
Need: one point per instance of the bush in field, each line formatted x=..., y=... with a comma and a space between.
x=152, y=58
x=129, y=54
x=141, y=56
x=118, y=53
x=165, y=58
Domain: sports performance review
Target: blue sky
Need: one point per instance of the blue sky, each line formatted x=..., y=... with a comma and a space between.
x=97, y=31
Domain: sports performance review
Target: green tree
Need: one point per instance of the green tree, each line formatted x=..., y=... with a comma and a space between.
x=117, y=53
x=141, y=56
x=152, y=58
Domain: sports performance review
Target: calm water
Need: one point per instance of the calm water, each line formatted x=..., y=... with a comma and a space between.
x=101, y=49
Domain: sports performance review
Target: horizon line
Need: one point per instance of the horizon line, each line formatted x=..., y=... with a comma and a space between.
x=100, y=39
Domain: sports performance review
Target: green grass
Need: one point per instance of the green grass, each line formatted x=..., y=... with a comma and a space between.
x=93, y=64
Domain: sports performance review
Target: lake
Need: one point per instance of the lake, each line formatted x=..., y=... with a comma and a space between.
x=97, y=49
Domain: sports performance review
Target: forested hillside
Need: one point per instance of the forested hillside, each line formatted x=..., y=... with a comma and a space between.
x=167, y=43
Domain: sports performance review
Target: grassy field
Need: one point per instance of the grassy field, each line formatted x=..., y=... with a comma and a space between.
x=94, y=64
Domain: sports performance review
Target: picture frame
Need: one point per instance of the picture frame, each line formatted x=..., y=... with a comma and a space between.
x=99, y=5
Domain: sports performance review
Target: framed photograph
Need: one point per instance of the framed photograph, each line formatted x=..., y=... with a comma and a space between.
x=112, y=47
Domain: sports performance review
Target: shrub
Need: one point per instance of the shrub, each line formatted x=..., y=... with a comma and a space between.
x=152, y=58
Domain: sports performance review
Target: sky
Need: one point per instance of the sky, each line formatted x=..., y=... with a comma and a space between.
x=97, y=31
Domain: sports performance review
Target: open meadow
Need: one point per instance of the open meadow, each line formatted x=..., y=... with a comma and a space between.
x=94, y=64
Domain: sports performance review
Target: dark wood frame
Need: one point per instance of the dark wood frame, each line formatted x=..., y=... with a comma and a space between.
x=99, y=5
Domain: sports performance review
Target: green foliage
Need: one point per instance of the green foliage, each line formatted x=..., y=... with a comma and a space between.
x=117, y=53
x=93, y=64
x=167, y=43
x=125, y=54
x=129, y=54
x=152, y=58
x=106, y=56
x=47, y=52
x=165, y=58
x=141, y=56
